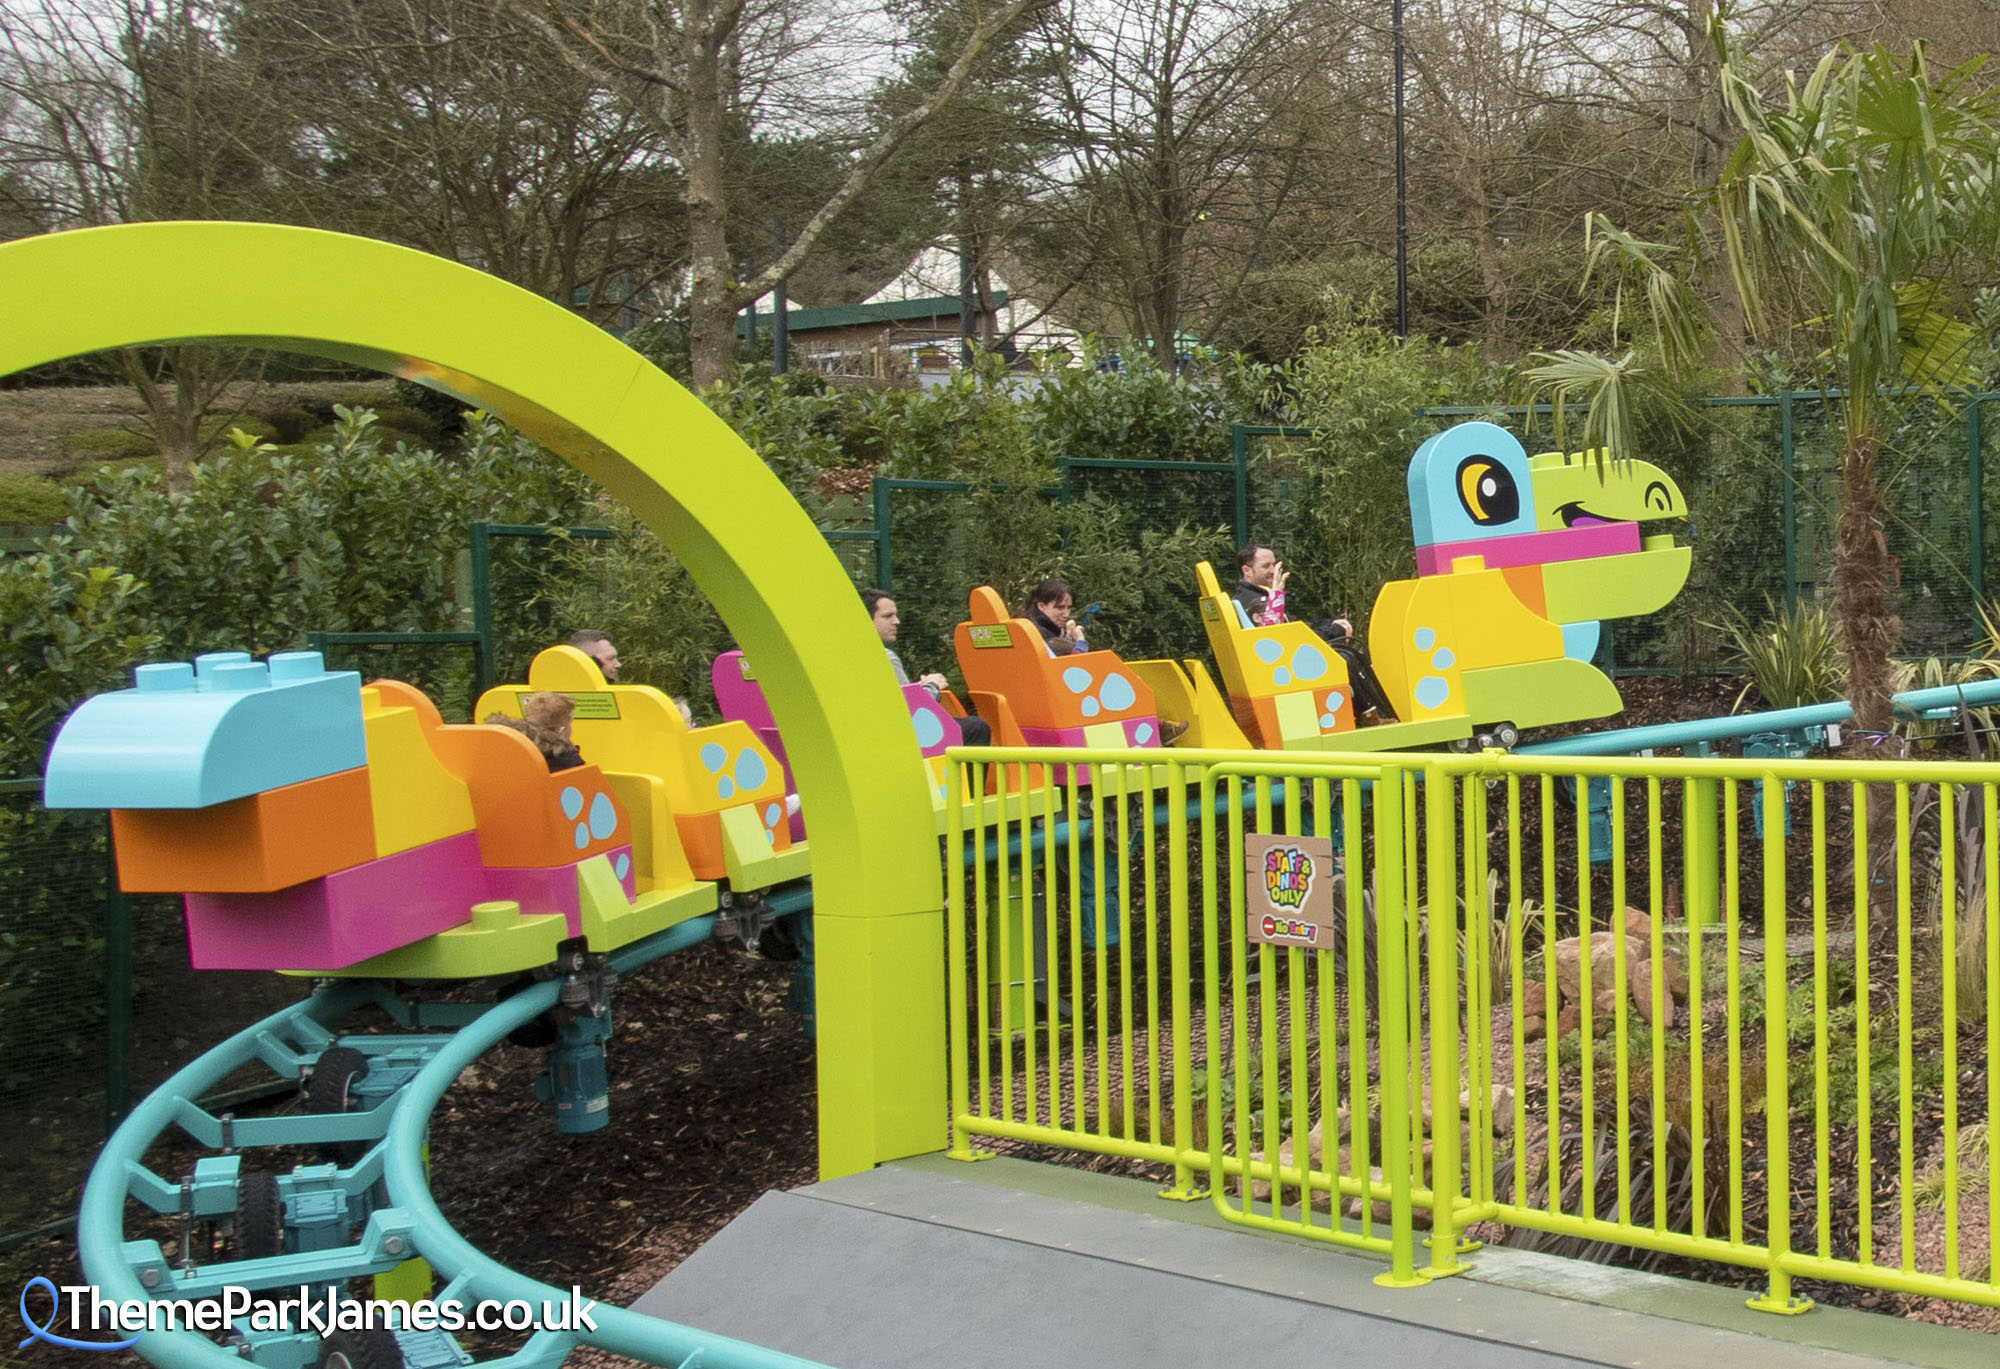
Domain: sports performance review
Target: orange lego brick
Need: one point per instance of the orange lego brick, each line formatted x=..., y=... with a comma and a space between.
x=252, y=845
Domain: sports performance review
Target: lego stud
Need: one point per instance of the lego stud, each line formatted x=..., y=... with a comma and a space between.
x=164, y=677
x=205, y=664
x=237, y=676
x=296, y=665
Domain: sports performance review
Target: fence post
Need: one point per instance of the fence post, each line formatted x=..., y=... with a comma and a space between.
x=1441, y=908
x=878, y=493
x=1976, y=527
x=1791, y=526
x=1178, y=959
x=482, y=607
x=1239, y=455
x=1391, y=971
x=1777, y=1080
x=117, y=990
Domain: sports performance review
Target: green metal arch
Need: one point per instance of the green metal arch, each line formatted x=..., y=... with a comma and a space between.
x=746, y=542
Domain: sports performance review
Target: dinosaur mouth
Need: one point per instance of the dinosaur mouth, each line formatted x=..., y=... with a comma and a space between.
x=1575, y=515
x=1658, y=504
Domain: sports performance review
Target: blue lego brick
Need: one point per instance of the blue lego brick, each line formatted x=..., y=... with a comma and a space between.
x=192, y=736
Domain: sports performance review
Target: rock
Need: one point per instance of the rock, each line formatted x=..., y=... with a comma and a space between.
x=1568, y=956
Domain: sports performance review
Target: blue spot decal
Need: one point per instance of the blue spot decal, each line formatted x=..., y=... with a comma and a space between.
x=1443, y=659
x=751, y=772
x=1281, y=676
x=1143, y=733
x=572, y=802
x=582, y=835
x=1327, y=720
x=771, y=815
x=1117, y=693
x=1076, y=679
x=1333, y=701
x=725, y=788
x=603, y=817
x=1432, y=691
x=621, y=865
x=1091, y=708
x=1267, y=650
x=713, y=755
x=1424, y=638
x=1308, y=662
x=930, y=732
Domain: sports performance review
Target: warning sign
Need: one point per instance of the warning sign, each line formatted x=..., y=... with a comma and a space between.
x=1288, y=890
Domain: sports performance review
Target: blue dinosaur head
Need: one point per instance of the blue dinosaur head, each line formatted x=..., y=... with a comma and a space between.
x=1470, y=482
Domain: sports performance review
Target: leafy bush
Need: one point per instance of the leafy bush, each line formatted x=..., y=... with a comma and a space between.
x=637, y=591
x=1793, y=659
x=70, y=630
x=31, y=499
x=108, y=444
x=263, y=548
x=1336, y=506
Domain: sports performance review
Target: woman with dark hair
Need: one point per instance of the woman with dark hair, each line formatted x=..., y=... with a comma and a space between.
x=1048, y=608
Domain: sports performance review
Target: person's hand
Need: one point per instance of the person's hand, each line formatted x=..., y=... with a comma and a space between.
x=1073, y=630
x=1278, y=576
x=1346, y=627
x=934, y=682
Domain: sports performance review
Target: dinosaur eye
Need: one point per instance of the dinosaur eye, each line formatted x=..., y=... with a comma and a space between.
x=1488, y=491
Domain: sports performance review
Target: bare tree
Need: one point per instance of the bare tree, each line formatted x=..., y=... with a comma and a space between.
x=134, y=110
x=1169, y=115
x=694, y=68
x=445, y=125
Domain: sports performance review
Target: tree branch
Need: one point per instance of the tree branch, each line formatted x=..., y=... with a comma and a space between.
x=884, y=147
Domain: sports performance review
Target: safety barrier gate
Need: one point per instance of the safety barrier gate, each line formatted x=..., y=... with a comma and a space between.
x=1701, y=1007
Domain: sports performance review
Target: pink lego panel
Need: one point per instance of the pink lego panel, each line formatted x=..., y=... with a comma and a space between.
x=552, y=888
x=1534, y=548
x=342, y=918
x=348, y=916
x=737, y=692
x=1138, y=732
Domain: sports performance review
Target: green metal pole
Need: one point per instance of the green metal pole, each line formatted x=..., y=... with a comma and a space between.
x=482, y=608
x=1975, y=441
x=117, y=991
x=1239, y=453
x=878, y=490
x=1791, y=513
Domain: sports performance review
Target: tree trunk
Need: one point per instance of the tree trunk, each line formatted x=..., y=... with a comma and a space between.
x=173, y=411
x=711, y=315
x=1862, y=586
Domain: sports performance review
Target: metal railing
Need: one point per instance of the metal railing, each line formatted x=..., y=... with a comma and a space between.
x=1508, y=1025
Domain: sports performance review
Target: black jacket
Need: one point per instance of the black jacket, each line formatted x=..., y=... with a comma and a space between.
x=1051, y=634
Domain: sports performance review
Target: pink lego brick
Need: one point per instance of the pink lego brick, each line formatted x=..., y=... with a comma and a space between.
x=552, y=888
x=1138, y=732
x=342, y=918
x=1534, y=548
x=350, y=915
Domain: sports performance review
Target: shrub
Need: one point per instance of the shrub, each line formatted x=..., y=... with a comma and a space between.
x=108, y=444
x=70, y=630
x=33, y=499
x=1793, y=659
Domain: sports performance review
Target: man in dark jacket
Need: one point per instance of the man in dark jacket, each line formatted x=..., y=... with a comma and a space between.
x=1260, y=589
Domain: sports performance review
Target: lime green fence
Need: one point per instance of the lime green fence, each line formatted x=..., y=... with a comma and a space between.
x=1748, y=1023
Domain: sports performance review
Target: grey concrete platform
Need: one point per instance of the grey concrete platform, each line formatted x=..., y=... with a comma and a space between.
x=933, y=1263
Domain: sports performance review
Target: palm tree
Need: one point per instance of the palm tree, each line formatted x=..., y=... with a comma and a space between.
x=1841, y=211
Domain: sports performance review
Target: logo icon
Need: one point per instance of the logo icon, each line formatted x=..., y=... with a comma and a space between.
x=1288, y=876
x=40, y=1330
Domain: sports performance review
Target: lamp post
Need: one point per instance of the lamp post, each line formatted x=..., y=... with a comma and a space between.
x=1402, y=191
